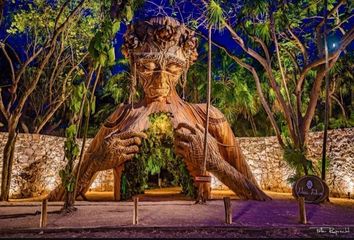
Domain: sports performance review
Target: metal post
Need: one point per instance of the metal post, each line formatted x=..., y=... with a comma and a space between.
x=324, y=147
x=202, y=195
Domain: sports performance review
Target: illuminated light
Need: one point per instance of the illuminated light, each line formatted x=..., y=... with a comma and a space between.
x=96, y=183
x=350, y=185
x=349, y=182
x=51, y=184
x=334, y=45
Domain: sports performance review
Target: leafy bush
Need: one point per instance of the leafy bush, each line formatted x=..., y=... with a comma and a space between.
x=296, y=158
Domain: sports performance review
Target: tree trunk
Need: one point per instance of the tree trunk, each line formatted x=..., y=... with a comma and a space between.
x=2, y=6
x=8, y=156
x=68, y=202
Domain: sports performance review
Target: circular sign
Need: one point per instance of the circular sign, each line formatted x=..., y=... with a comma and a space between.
x=312, y=188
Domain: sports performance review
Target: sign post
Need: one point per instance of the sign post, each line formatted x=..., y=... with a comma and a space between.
x=135, y=210
x=202, y=179
x=228, y=211
x=302, y=210
x=311, y=188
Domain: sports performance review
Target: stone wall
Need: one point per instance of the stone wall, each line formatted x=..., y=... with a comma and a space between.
x=38, y=158
x=265, y=157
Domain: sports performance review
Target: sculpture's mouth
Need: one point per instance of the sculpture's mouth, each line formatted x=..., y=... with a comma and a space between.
x=159, y=92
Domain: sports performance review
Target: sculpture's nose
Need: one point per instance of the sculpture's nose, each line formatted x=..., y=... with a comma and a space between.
x=159, y=79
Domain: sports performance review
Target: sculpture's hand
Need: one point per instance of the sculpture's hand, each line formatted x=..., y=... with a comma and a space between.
x=120, y=147
x=114, y=150
x=189, y=143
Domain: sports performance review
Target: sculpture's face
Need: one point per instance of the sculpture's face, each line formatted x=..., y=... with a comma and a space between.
x=160, y=50
x=159, y=73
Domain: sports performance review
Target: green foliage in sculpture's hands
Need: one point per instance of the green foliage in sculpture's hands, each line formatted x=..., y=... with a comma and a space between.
x=155, y=154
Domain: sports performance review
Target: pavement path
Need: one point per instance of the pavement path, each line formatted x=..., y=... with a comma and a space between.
x=279, y=217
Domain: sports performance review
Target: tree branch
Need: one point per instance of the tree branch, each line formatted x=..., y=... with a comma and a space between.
x=52, y=45
x=339, y=24
x=252, y=70
x=60, y=13
x=320, y=25
x=2, y=107
x=49, y=114
x=260, y=41
x=340, y=105
x=315, y=92
x=2, y=45
x=268, y=69
x=283, y=77
x=300, y=45
x=347, y=39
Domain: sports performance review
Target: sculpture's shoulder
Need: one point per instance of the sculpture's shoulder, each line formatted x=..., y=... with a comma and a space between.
x=215, y=115
x=108, y=126
x=116, y=117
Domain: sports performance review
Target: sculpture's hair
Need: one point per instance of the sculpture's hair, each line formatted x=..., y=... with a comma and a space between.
x=161, y=34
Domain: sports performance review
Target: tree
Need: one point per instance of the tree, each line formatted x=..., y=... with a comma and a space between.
x=102, y=52
x=39, y=57
x=234, y=93
x=68, y=63
x=278, y=37
x=2, y=6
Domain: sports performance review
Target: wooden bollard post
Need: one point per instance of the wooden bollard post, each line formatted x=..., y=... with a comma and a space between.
x=135, y=211
x=302, y=210
x=43, y=220
x=228, y=212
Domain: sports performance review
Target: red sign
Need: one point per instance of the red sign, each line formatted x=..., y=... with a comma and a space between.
x=202, y=178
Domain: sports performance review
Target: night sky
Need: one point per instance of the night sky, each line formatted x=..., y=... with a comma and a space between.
x=161, y=8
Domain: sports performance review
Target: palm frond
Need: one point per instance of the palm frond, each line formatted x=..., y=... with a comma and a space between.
x=215, y=15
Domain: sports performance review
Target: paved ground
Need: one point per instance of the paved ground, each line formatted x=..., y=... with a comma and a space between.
x=187, y=232
x=181, y=218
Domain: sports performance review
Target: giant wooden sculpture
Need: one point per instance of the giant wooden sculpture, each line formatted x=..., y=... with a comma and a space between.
x=160, y=52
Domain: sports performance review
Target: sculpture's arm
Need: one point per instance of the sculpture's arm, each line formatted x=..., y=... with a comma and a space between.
x=103, y=154
x=189, y=145
x=113, y=152
x=228, y=146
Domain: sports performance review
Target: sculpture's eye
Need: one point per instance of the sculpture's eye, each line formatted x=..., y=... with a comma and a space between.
x=149, y=66
x=174, y=68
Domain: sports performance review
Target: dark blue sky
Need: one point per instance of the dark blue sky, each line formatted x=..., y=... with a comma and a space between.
x=162, y=7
